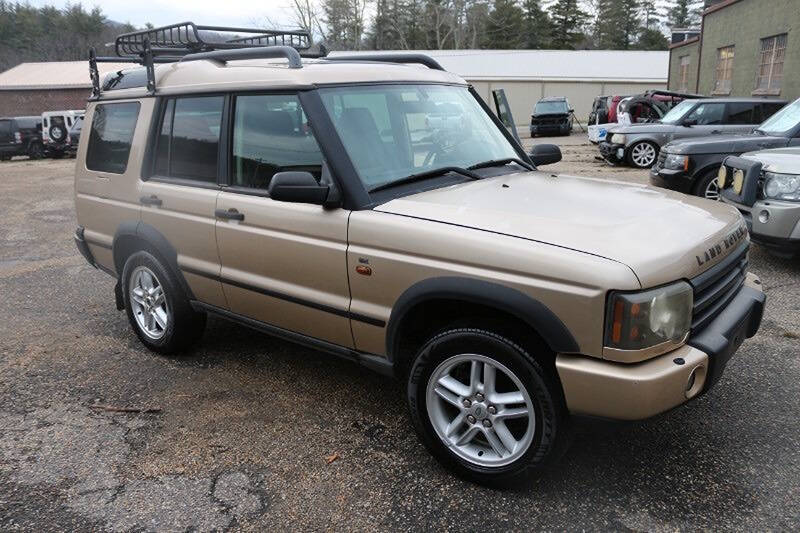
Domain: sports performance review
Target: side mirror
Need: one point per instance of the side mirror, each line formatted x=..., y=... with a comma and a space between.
x=689, y=122
x=298, y=187
x=545, y=154
x=571, y=110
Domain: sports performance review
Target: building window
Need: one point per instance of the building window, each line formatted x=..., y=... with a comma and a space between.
x=683, y=74
x=770, y=69
x=723, y=74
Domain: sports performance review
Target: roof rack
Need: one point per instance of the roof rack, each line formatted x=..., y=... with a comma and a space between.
x=189, y=41
x=421, y=59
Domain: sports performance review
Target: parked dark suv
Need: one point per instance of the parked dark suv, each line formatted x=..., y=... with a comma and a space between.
x=551, y=115
x=21, y=136
x=691, y=165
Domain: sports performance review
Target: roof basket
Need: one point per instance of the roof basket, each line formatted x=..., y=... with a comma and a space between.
x=189, y=41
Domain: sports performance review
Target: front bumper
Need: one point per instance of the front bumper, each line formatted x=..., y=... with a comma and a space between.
x=549, y=128
x=612, y=152
x=595, y=387
x=774, y=224
x=675, y=180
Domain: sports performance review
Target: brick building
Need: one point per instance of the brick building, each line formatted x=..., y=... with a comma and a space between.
x=32, y=88
x=745, y=48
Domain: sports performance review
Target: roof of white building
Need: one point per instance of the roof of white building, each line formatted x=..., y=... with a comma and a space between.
x=522, y=65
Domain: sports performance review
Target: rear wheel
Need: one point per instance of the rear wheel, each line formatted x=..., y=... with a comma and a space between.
x=157, y=308
x=486, y=408
x=708, y=187
x=35, y=151
x=642, y=154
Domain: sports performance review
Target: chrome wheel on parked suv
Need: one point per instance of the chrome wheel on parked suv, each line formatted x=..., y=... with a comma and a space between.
x=643, y=154
x=149, y=303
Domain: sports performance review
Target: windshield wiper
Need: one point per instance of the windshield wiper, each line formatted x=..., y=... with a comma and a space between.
x=499, y=162
x=425, y=175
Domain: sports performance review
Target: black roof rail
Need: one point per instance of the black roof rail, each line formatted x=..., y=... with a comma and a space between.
x=264, y=52
x=421, y=59
x=191, y=42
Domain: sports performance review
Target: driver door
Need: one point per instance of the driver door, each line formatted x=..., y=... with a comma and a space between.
x=283, y=263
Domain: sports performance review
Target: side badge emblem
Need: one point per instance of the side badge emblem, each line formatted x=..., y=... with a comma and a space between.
x=364, y=270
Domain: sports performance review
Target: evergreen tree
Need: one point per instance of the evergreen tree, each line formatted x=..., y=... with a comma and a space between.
x=684, y=13
x=505, y=26
x=537, y=26
x=568, y=23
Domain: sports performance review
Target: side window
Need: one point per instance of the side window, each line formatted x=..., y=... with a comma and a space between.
x=741, y=113
x=188, y=141
x=707, y=114
x=5, y=129
x=110, y=137
x=271, y=134
x=767, y=110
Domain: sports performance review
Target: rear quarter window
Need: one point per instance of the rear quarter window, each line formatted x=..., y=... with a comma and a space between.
x=110, y=137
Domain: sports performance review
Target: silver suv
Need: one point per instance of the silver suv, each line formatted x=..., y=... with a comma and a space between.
x=638, y=144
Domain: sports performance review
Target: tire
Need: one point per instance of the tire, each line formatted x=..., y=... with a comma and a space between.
x=642, y=154
x=707, y=186
x=58, y=133
x=35, y=151
x=172, y=326
x=539, y=437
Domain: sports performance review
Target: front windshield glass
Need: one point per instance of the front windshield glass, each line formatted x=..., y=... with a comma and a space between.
x=543, y=108
x=782, y=121
x=675, y=114
x=393, y=131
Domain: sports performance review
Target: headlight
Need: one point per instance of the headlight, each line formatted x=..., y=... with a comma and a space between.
x=618, y=138
x=676, y=162
x=781, y=186
x=644, y=319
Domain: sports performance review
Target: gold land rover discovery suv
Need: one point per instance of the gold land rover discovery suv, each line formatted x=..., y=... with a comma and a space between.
x=378, y=210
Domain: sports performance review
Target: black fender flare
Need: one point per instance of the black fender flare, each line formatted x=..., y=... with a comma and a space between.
x=148, y=237
x=529, y=310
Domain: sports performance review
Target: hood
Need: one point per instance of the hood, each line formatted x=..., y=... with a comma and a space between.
x=549, y=115
x=661, y=235
x=725, y=144
x=646, y=127
x=781, y=160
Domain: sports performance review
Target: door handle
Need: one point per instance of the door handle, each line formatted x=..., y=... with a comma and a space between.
x=151, y=200
x=230, y=214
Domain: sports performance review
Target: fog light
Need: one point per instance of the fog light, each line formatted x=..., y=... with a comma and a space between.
x=697, y=379
x=763, y=217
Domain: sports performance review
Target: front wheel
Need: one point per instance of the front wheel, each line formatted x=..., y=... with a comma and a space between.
x=157, y=307
x=485, y=408
x=708, y=187
x=643, y=154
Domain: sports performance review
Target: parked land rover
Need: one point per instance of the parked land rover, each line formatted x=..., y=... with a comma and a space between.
x=551, y=115
x=692, y=165
x=56, y=126
x=638, y=145
x=765, y=187
x=307, y=197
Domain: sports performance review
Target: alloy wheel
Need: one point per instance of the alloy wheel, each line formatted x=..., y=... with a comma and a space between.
x=643, y=154
x=148, y=303
x=480, y=410
x=712, y=191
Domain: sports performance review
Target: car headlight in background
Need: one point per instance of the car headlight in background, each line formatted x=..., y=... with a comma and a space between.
x=644, y=319
x=781, y=186
x=676, y=162
x=618, y=138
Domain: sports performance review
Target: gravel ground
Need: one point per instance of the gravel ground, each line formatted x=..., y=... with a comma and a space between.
x=253, y=433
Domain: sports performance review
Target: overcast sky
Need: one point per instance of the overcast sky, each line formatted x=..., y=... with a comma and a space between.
x=161, y=12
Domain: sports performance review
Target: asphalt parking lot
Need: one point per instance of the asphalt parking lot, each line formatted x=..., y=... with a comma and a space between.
x=249, y=432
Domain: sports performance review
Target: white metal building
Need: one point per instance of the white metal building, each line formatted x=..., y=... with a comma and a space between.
x=526, y=76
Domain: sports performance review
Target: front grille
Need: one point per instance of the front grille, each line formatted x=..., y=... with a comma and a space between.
x=717, y=286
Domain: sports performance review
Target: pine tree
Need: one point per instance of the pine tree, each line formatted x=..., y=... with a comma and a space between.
x=537, y=26
x=568, y=23
x=504, y=27
x=684, y=13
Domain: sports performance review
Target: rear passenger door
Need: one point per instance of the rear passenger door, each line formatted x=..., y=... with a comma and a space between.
x=180, y=195
x=282, y=263
x=740, y=117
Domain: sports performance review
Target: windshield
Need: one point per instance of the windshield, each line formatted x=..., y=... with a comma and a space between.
x=393, y=131
x=543, y=108
x=675, y=114
x=782, y=121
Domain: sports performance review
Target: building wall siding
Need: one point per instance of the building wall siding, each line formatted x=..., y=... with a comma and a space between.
x=675, y=56
x=35, y=102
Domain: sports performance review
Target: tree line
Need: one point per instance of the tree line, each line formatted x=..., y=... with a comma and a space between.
x=48, y=33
